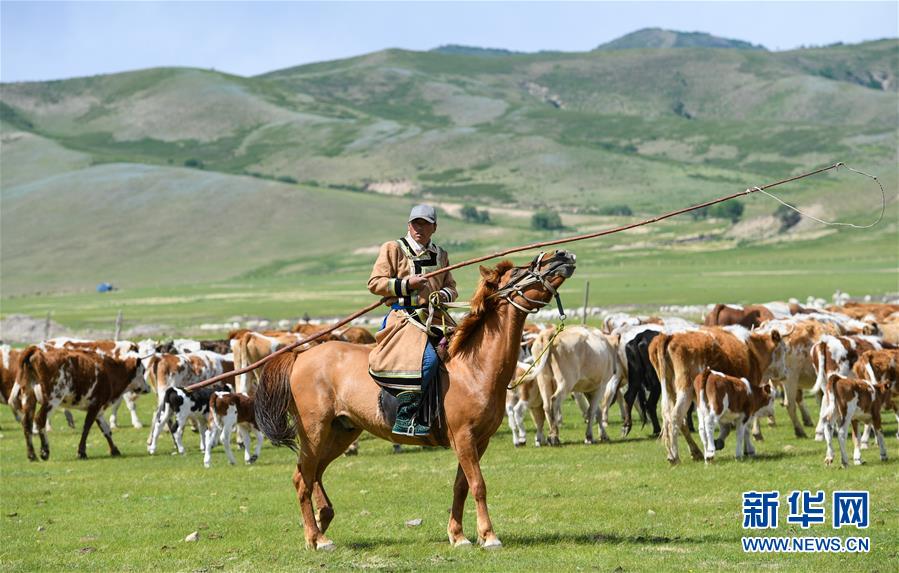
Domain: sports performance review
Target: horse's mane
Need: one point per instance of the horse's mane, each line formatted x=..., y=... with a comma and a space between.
x=481, y=305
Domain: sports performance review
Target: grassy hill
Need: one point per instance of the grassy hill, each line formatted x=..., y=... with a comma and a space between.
x=176, y=176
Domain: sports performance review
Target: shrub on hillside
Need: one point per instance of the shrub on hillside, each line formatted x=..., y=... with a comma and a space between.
x=195, y=163
x=547, y=220
x=622, y=210
x=788, y=217
x=471, y=214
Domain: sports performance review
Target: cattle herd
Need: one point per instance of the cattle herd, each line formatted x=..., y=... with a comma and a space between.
x=729, y=370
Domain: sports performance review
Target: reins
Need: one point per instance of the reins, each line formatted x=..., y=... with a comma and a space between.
x=529, y=247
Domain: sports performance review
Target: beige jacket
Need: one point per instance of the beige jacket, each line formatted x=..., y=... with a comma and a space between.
x=396, y=360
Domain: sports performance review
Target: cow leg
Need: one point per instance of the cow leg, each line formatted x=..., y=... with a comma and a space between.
x=114, y=412
x=630, y=396
x=69, y=419
x=583, y=403
x=592, y=415
x=681, y=406
x=741, y=434
x=107, y=433
x=255, y=456
x=756, y=428
x=747, y=439
x=554, y=414
x=652, y=402
x=803, y=411
x=706, y=429
x=518, y=411
x=857, y=447
x=211, y=431
x=27, y=426
x=178, y=434
x=539, y=417
x=89, y=418
x=43, y=414
x=866, y=436
x=159, y=420
x=878, y=433
x=130, y=398
x=842, y=431
x=791, y=390
x=611, y=393
x=828, y=438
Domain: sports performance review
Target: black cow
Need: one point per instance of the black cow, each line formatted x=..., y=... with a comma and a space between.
x=182, y=406
x=643, y=384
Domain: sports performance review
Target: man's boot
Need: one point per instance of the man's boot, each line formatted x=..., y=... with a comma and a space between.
x=406, y=424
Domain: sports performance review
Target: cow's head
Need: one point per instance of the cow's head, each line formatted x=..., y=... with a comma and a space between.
x=768, y=398
x=134, y=366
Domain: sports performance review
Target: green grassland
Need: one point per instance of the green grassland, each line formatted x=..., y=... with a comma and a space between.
x=612, y=506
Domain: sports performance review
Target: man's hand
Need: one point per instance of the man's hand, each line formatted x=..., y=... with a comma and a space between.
x=415, y=283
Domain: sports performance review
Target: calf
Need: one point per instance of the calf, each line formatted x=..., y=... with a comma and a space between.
x=181, y=406
x=837, y=355
x=51, y=377
x=229, y=410
x=880, y=366
x=723, y=398
x=846, y=401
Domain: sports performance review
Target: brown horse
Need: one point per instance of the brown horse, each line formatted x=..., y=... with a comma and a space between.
x=327, y=398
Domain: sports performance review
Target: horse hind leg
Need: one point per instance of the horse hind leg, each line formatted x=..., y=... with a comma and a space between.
x=340, y=441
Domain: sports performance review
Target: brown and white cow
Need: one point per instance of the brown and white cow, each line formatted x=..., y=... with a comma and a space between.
x=837, y=355
x=797, y=372
x=746, y=316
x=9, y=367
x=116, y=349
x=230, y=410
x=89, y=381
x=880, y=366
x=848, y=400
x=679, y=358
x=723, y=398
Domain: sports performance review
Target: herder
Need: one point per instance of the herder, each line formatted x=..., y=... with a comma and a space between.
x=405, y=360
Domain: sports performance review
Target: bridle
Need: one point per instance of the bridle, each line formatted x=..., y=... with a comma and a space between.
x=531, y=275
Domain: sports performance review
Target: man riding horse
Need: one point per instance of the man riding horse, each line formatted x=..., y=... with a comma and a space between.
x=405, y=361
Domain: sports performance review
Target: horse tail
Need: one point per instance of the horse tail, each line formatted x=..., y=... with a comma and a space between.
x=274, y=415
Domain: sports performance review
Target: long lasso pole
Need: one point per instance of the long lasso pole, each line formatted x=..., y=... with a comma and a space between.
x=503, y=253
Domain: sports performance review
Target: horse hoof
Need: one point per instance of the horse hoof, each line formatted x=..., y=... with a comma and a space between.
x=490, y=544
x=325, y=546
x=461, y=543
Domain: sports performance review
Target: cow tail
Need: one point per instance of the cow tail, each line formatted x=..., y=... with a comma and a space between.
x=821, y=378
x=24, y=377
x=275, y=416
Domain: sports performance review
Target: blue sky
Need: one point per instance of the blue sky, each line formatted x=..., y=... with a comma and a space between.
x=51, y=40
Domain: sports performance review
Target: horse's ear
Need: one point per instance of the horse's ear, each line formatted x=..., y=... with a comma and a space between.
x=485, y=272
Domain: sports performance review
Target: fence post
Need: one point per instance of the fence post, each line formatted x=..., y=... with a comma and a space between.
x=118, y=325
x=586, y=300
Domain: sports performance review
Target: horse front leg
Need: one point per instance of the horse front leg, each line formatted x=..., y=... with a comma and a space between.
x=469, y=460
